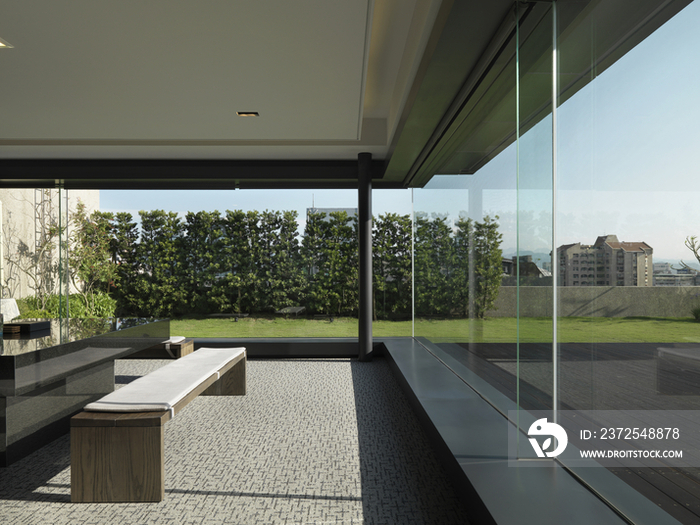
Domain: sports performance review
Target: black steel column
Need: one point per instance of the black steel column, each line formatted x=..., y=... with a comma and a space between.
x=364, y=212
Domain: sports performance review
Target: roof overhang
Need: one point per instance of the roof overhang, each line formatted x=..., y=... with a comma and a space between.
x=103, y=94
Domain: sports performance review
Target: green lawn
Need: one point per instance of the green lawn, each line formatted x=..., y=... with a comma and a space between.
x=570, y=329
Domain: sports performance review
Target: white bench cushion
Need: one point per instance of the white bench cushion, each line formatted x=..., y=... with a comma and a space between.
x=163, y=388
x=174, y=340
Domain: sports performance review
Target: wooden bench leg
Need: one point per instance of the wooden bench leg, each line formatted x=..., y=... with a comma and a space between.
x=232, y=383
x=117, y=464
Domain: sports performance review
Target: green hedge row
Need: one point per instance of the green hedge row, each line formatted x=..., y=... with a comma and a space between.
x=255, y=262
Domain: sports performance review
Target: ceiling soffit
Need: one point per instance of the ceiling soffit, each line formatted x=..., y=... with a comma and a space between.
x=96, y=70
x=163, y=80
x=184, y=174
x=480, y=121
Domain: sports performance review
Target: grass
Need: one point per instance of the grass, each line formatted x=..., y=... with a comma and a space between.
x=497, y=330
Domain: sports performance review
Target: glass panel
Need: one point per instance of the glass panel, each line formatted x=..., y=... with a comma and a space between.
x=597, y=197
x=268, y=263
x=496, y=226
x=442, y=232
x=466, y=239
x=453, y=214
x=61, y=262
x=391, y=252
x=32, y=238
x=626, y=211
x=536, y=355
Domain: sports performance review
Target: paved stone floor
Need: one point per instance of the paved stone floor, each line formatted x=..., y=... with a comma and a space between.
x=314, y=442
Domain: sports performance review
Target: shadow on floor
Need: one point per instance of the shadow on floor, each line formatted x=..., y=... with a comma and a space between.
x=397, y=463
x=23, y=479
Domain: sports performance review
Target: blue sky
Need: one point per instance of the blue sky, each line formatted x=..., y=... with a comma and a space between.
x=627, y=162
x=182, y=201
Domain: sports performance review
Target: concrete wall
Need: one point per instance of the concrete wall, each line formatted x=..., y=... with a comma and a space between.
x=600, y=301
x=19, y=226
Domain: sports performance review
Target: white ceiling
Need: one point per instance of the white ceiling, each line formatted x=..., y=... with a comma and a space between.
x=164, y=79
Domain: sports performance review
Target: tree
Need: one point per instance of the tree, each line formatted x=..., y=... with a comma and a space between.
x=203, y=230
x=253, y=262
x=344, y=267
x=487, y=264
x=391, y=254
x=92, y=269
x=317, y=299
x=236, y=269
x=38, y=262
x=330, y=258
x=434, y=265
x=693, y=245
x=257, y=263
x=462, y=279
x=286, y=277
x=124, y=247
x=159, y=281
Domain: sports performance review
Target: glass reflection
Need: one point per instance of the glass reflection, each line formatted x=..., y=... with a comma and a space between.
x=623, y=118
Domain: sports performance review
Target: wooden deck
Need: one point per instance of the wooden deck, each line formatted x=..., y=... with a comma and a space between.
x=604, y=376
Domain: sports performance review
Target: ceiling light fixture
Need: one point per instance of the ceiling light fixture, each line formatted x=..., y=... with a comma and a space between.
x=247, y=113
x=5, y=44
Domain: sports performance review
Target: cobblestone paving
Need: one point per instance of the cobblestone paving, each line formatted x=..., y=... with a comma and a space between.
x=313, y=442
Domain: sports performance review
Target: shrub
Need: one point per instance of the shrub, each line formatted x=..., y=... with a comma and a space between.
x=696, y=313
x=29, y=309
x=101, y=305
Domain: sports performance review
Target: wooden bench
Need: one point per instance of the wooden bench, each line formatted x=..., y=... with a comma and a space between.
x=117, y=444
x=173, y=348
x=179, y=347
x=296, y=310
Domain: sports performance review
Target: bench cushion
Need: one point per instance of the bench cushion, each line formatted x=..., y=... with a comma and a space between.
x=163, y=388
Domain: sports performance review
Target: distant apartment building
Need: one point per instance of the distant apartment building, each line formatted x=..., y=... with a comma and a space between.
x=669, y=276
x=676, y=279
x=608, y=262
x=663, y=268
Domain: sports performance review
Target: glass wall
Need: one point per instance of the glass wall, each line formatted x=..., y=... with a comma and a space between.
x=495, y=314
x=239, y=263
x=35, y=254
x=262, y=263
x=626, y=208
x=626, y=216
x=595, y=200
x=392, y=256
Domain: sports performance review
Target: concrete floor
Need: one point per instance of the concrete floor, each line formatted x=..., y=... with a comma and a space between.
x=315, y=441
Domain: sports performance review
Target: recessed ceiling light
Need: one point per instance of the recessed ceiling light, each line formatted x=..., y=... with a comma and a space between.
x=4, y=44
x=247, y=113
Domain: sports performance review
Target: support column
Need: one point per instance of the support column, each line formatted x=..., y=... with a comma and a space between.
x=364, y=212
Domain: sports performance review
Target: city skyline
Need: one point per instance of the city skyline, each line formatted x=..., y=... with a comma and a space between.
x=535, y=230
